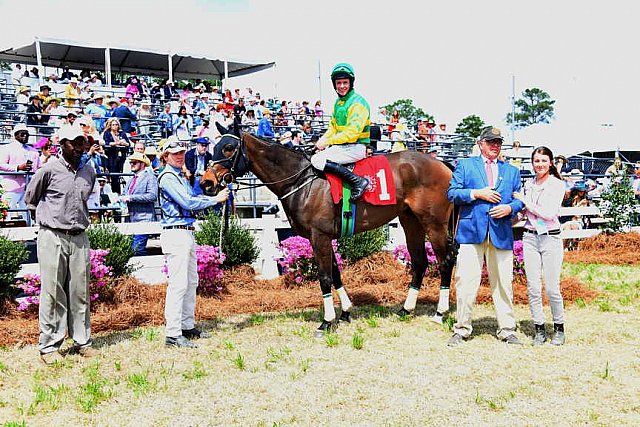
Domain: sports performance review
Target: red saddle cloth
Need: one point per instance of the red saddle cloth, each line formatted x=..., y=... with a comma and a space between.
x=382, y=189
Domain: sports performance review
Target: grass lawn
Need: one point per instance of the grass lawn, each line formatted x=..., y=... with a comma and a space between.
x=268, y=370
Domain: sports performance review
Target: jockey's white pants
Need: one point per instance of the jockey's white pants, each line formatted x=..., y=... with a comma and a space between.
x=179, y=247
x=339, y=153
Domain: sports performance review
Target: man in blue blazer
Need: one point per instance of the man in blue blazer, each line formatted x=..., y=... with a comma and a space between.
x=483, y=186
x=140, y=195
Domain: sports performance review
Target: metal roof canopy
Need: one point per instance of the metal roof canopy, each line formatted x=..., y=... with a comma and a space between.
x=79, y=55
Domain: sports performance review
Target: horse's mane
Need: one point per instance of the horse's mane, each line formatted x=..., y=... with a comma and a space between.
x=278, y=146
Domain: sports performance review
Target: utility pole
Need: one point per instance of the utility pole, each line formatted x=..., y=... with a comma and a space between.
x=513, y=108
x=319, y=82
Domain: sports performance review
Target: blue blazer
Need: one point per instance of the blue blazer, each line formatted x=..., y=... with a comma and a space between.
x=475, y=221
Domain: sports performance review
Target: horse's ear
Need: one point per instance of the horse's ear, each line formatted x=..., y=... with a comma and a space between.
x=223, y=130
x=236, y=129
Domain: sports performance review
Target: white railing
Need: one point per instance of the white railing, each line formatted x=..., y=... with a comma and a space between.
x=265, y=230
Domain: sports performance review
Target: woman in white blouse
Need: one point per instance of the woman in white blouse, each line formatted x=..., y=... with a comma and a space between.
x=542, y=244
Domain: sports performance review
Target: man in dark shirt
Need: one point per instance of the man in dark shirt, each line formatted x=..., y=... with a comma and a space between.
x=238, y=111
x=59, y=193
x=127, y=118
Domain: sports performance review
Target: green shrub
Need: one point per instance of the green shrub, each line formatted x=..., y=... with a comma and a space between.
x=238, y=245
x=107, y=236
x=12, y=255
x=619, y=204
x=363, y=244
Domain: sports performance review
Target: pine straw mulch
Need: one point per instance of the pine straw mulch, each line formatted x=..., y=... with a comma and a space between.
x=378, y=279
x=616, y=249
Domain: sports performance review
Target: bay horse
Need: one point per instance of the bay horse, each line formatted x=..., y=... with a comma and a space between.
x=422, y=207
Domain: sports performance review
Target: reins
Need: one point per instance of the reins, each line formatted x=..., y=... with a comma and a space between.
x=239, y=151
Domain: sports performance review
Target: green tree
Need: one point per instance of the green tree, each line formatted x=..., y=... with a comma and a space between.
x=408, y=111
x=470, y=126
x=535, y=106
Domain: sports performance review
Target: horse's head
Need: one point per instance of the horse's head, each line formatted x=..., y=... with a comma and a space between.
x=229, y=162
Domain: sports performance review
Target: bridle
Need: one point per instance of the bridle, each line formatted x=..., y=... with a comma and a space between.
x=233, y=172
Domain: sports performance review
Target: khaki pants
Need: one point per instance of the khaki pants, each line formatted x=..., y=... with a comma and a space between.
x=64, y=300
x=179, y=248
x=468, y=274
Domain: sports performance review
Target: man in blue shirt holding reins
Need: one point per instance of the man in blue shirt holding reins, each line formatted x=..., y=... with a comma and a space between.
x=178, y=205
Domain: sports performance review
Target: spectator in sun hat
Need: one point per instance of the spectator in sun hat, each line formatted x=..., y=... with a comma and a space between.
x=152, y=154
x=72, y=93
x=97, y=111
x=140, y=196
x=22, y=98
x=45, y=93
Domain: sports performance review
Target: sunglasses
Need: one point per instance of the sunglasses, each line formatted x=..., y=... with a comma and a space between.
x=134, y=162
x=175, y=144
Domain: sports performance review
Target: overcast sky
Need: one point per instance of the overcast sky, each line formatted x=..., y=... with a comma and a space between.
x=453, y=58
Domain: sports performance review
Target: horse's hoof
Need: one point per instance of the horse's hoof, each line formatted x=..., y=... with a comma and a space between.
x=403, y=312
x=345, y=316
x=324, y=328
x=437, y=318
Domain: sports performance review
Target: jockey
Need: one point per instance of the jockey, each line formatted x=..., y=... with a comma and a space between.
x=347, y=138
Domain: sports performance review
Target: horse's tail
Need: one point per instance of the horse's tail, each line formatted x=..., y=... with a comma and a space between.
x=452, y=245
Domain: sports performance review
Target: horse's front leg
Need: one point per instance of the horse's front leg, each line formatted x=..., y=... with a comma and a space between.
x=345, y=302
x=323, y=253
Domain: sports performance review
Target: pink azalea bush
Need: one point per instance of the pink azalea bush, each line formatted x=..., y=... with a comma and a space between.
x=401, y=253
x=297, y=260
x=98, y=281
x=209, y=259
x=518, y=258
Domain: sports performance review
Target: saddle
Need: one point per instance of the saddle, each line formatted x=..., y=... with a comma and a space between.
x=382, y=189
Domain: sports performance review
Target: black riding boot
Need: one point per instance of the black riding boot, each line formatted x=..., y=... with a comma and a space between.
x=541, y=335
x=358, y=184
x=558, y=334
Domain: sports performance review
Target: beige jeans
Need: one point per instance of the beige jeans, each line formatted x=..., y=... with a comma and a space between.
x=179, y=248
x=468, y=274
x=64, y=300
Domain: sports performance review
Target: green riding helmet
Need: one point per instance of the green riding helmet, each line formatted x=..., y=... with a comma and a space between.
x=343, y=71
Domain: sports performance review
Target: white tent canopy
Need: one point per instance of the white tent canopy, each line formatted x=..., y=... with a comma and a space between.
x=174, y=65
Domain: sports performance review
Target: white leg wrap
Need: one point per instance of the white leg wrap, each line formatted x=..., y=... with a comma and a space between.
x=329, y=310
x=412, y=297
x=443, y=302
x=345, y=302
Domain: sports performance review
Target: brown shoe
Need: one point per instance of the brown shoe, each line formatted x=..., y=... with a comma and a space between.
x=87, y=351
x=51, y=358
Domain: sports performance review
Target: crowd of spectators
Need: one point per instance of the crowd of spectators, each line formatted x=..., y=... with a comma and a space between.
x=146, y=113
